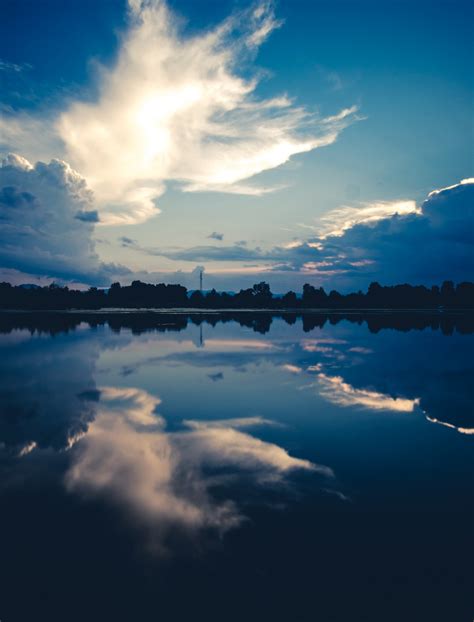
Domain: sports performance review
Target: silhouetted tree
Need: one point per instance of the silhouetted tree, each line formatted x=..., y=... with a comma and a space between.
x=289, y=300
x=148, y=296
x=262, y=294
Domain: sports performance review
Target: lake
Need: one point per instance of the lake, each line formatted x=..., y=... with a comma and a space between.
x=248, y=467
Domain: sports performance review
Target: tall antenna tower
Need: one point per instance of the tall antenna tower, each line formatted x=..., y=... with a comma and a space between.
x=200, y=281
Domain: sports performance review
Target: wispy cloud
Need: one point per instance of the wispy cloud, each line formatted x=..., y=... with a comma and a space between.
x=335, y=390
x=176, y=107
x=468, y=431
x=14, y=67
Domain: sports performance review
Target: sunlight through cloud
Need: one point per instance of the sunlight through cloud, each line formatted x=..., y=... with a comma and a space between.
x=175, y=107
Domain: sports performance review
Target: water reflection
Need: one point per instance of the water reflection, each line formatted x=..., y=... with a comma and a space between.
x=47, y=389
x=277, y=464
x=164, y=477
x=341, y=393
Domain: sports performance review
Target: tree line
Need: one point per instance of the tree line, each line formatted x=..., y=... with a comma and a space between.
x=58, y=322
x=141, y=295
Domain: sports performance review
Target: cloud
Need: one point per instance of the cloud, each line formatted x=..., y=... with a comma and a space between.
x=216, y=377
x=236, y=423
x=14, y=67
x=176, y=107
x=90, y=216
x=392, y=242
x=218, y=445
x=293, y=369
x=428, y=244
x=216, y=236
x=335, y=390
x=163, y=478
x=39, y=406
x=337, y=221
x=468, y=431
x=238, y=252
x=47, y=222
x=134, y=462
x=126, y=241
x=388, y=378
x=389, y=241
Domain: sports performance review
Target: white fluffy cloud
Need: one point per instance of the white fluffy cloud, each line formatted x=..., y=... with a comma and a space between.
x=175, y=107
x=162, y=477
x=47, y=218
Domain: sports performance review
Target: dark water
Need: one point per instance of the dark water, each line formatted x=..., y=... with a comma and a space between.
x=300, y=469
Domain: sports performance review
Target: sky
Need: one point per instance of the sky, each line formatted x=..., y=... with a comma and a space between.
x=328, y=142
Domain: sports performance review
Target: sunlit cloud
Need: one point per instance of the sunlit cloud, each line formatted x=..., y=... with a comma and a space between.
x=27, y=449
x=240, y=344
x=293, y=369
x=468, y=180
x=323, y=345
x=360, y=350
x=337, y=221
x=461, y=430
x=134, y=463
x=217, y=446
x=161, y=477
x=175, y=107
x=335, y=390
x=236, y=422
x=72, y=439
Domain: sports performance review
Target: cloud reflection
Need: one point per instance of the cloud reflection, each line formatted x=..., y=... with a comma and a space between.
x=335, y=390
x=165, y=479
x=468, y=431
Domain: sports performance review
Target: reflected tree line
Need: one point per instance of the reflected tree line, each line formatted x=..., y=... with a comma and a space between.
x=141, y=295
x=57, y=322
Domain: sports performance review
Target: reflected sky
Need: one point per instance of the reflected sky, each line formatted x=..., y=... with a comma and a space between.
x=213, y=451
x=128, y=455
x=339, y=392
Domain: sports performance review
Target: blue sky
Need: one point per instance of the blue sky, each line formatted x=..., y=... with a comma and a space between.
x=378, y=113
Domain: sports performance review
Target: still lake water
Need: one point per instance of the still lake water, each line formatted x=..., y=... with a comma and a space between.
x=278, y=470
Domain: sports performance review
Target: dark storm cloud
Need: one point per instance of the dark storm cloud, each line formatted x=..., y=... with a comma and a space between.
x=47, y=222
x=435, y=244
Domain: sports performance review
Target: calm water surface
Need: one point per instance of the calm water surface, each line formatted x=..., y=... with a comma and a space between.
x=275, y=471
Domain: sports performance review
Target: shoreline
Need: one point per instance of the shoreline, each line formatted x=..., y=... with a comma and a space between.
x=197, y=311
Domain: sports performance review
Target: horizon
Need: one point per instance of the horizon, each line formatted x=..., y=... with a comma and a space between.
x=282, y=141
x=236, y=310
x=162, y=298
x=84, y=288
